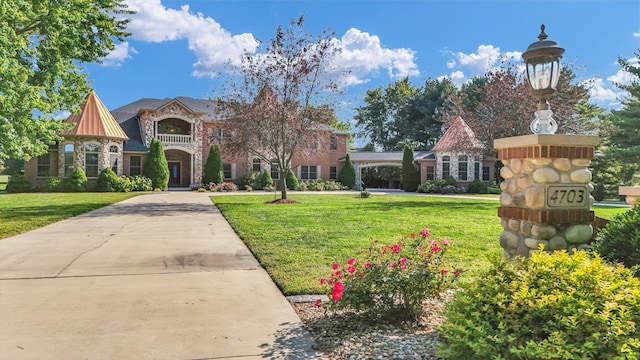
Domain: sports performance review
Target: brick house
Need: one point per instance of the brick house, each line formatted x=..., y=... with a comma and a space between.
x=120, y=139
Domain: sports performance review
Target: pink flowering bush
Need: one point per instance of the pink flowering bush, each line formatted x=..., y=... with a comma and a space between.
x=392, y=281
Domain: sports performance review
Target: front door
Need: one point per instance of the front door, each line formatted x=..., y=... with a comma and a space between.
x=174, y=173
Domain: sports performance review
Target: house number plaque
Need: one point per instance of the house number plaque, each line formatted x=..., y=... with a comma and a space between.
x=567, y=196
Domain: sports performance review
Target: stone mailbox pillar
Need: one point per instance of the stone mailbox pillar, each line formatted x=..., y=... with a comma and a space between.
x=546, y=195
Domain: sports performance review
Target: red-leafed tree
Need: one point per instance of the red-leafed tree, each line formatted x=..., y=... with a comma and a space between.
x=500, y=104
x=275, y=104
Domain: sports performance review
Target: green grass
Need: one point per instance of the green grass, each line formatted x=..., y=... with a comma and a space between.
x=23, y=212
x=297, y=243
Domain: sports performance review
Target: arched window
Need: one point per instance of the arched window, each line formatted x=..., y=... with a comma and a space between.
x=113, y=158
x=446, y=166
x=68, y=159
x=91, y=160
x=463, y=169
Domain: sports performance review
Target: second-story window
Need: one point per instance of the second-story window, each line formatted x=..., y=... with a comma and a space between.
x=333, y=143
x=256, y=165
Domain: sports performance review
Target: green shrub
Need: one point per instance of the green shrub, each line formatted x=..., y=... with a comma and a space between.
x=108, y=181
x=551, y=306
x=263, y=180
x=493, y=189
x=19, y=184
x=125, y=184
x=53, y=184
x=76, y=182
x=248, y=179
x=155, y=166
x=599, y=192
x=619, y=241
x=347, y=176
x=390, y=282
x=449, y=180
x=141, y=183
x=477, y=187
x=410, y=173
x=365, y=194
x=213, y=169
x=292, y=180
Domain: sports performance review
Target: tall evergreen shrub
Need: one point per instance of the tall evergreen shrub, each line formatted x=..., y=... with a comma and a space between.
x=213, y=170
x=292, y=180
x=76, y=182
x=347, y=176
x=155, y=166
x=410, y=173
x=108, y=181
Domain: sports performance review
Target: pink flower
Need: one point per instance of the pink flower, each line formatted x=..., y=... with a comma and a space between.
x=367, y=265
x=393, y=264
x=351, y=261
x=403, y=267
x=360, y=275
x=424, y=233
x=335, y=266
x=444, y=271
x=456, y=273
x=336, y=295
x=403, y=261
x=323, y=281
x=351, y=269
x=395, y=248
x=432, y=242
x=435, y=249
x=413, y=235
x=317, y=303
x=338, y=273
x=445, y=242
x=338, y=286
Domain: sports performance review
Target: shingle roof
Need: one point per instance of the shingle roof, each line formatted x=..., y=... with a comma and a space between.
x=94, y=120
x=458, y=136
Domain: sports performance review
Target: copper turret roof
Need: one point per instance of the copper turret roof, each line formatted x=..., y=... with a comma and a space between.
x=458, y=136
x=94, y=120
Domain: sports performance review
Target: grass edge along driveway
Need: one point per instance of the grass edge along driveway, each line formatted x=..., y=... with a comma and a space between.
x=297, y=243
x=27, y=211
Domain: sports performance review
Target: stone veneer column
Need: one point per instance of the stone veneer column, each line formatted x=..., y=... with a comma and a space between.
x=546, y=196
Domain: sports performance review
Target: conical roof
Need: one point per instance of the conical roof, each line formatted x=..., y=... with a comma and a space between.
x=458, y=136
x=94, y=120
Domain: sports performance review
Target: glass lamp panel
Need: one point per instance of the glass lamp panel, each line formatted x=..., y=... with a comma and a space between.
x=539, y=75
x=555, y=73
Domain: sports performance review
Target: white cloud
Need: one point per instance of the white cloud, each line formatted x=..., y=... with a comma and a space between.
x=485, y=59
x=457, y=78
x=212, y=45
x=636, y=34
x=363, y=55
x=119, y=54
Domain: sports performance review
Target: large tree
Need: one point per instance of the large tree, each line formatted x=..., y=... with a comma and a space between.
x=42, y=46
x=272, y=102
x=410, y=173
x=625, y=138
x=376, y=118
x=501, y=105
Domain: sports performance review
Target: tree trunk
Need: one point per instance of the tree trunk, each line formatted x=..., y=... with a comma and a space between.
x=283, y=184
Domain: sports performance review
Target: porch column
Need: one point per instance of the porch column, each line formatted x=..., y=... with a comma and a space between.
x=358, y=172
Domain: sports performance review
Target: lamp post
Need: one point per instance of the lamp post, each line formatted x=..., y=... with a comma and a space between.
x=542, y=59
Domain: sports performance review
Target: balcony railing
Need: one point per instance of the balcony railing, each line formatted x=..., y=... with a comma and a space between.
x=174, y=139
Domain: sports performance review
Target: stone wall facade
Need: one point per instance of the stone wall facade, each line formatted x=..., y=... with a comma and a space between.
x=546, y=195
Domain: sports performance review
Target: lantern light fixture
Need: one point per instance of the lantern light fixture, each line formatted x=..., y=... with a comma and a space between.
x=542, y=60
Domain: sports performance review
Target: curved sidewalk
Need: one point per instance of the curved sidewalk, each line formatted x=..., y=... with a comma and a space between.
x=157, y=276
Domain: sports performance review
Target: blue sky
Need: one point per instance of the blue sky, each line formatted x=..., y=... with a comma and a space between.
x=177, y=46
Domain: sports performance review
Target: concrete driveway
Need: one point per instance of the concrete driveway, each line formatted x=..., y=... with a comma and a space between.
x=158, y=276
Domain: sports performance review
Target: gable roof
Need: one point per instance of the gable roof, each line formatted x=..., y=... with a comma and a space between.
x=94, y=120
x=458, y=136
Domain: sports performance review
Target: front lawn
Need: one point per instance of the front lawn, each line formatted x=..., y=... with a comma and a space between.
x=27, y=211
x=297, y=243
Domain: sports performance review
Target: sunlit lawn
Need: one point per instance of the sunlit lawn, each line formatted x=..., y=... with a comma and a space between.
x=297, y=243
x=23, y=212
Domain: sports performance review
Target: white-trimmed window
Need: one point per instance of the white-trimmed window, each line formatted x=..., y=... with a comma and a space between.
x=477, y=166
x=135, y=165
x=463, y=169
x=333, y=143
x=333, y=173
x=308, y=172
x=68, y=159
x=44, y=165
x=91, y=160
x=275, y=170
x=431, y=172
x=229, y=171
x=113, y=158
x=256, y=165
x=446, y=166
